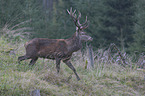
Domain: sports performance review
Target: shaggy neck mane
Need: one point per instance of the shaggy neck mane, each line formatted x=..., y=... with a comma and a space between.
x=74, y=43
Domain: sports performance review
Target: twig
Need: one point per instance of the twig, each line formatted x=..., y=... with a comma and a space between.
x=119, y=52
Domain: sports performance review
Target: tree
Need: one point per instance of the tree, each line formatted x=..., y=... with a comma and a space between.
x=139, y=37
x=115, y=23
x=11, y=11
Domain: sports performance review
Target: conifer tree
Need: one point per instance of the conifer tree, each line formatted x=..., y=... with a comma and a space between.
x=116, y=22
x=139, y=37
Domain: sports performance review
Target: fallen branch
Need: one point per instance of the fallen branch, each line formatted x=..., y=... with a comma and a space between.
x=120, y=54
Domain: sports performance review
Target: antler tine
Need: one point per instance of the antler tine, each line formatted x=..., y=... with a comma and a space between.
x=79, y=19
x=73, y=15
x=69, y=12
x=85, y=21
x=79, y=15
x=74, y=12
x=84, y=25
x=76, y=19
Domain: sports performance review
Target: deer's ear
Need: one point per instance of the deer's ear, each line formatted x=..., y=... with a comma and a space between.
x=77, y=29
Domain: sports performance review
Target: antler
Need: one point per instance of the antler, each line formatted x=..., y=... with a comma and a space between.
x=76, y=20
x=84, y=25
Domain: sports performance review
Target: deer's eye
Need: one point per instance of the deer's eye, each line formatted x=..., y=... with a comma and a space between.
x=83, y=33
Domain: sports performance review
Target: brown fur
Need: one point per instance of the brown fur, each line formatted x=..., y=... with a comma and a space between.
x=56, y=49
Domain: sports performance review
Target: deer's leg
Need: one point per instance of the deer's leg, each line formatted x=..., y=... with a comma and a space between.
x=68, y=63
x=21, y=58
x=33, y=61
x=58, y=64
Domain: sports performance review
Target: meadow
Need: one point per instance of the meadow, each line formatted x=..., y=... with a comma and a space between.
x=105, y=79
x=119, y=70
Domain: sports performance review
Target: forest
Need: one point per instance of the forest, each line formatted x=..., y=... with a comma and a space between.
x=116, y=26
x=114, y=21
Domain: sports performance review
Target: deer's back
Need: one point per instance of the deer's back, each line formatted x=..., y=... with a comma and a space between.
x=46, y=48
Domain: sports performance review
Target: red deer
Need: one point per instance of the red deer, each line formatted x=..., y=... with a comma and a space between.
x=58, y=49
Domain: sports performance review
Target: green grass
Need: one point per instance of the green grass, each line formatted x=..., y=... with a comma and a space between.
x=104, y=80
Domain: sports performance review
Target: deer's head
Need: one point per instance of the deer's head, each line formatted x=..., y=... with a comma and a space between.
x=80, y=27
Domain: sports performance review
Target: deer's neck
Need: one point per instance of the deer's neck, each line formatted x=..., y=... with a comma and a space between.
x=74, y=44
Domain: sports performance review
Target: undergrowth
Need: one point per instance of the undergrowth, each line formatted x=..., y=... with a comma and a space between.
x=105, y=79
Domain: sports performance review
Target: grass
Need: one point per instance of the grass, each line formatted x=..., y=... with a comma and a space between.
x=105, y=79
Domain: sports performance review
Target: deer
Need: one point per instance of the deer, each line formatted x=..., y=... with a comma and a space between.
x=58, y=49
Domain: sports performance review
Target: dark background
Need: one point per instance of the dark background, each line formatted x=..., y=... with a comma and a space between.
x=110, y=21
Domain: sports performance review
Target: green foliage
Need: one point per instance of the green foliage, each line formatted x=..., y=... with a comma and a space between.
x=138, y=45
x=114, y=21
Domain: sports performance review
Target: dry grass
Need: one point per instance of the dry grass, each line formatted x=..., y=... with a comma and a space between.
x=105, y=79
x=16, y=32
